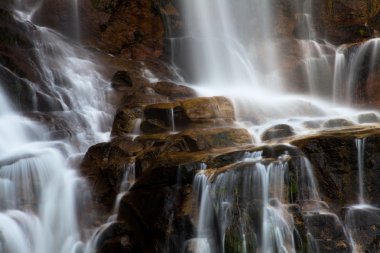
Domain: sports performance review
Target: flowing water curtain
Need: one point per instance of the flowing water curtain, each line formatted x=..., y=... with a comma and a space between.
x=243, y=206
x=230, y=42
x=41, y=214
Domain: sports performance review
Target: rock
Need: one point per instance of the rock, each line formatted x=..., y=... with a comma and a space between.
x=60, y=16
x=121, y=80
x=196, y=112
x=368, y=118
x=115, y=238
x=313, y=124
x=364, y=224
x=104, y=165
x=173, y=91
x=327, y=232
x=125, y=121
x=345, y=21
x=333, y=155
x=277, y=131
x=143, y=96
x=208, y=108
x=157, y=200
x=135, y=30
x=334, y=123
x=208, y=138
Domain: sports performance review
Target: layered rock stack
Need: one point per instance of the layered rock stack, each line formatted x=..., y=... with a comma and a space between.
x=170, y=135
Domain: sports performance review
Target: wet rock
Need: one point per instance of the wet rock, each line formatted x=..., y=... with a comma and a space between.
x=125, y=121
x=60, y=16
x=158, y=199
x=135, y=30
x=104, y=165
x=334, y=123
x=173, y=91
x=115, y=238
x=196, y=112
x=368, y=118
x=121, y=80
x=277, y=131
x=334, y=157
x=205, y=139
x=345, y=21
x=313, y=124
x=364, y=224
x=327, y=232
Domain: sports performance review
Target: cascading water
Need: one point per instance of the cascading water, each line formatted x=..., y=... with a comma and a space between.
x=42, y=193
x=228, y=57
x=247, y=207
x=233, y=52
x=360, y=215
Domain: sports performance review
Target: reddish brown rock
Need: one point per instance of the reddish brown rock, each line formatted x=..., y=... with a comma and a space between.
x=173, y=91
x=104, y=165
x=196, y=112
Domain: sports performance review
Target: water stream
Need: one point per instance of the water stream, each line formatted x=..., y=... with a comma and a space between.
x=43, y=195
x=249, y=207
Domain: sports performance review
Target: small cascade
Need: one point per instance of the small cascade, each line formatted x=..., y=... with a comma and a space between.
x=360, y=146
x=126, y=183
x=318, y=58
x=172, y=120
x=247, y=208
x=363, y=61
x=45, y=199
x=339, y=91
x=76, y=21
x=361, y=217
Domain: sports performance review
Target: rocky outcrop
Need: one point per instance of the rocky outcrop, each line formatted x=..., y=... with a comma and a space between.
x=346, y=21
x=191, y=113
x=334, y=156
x=160, y=212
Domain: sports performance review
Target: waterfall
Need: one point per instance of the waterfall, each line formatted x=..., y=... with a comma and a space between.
x=360, y=146
x=221, y=47
x=43, y=195
x=246, y=208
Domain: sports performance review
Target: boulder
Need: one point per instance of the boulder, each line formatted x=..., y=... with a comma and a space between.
x=370, y=117
x=277, y=131
x=104, y=165
x=173, y=91
x=335, y=123
x=121, y=80
x=125, y=121
x=196, y=112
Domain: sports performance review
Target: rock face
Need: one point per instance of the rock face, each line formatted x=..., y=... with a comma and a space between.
x=334, y=155
x=198, y=112
x=160, y=212
x=347, y=21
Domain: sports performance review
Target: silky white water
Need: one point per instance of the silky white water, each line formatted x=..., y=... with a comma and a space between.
x=233, y=52
x=39, y=192
x=245, y=209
